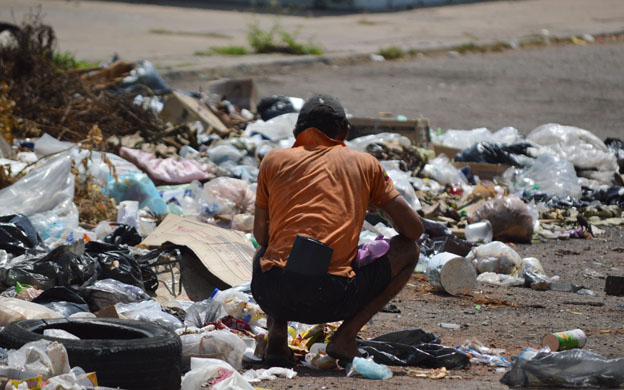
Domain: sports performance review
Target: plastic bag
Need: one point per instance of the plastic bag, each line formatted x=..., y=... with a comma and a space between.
x=48, y=185
x=494, y=257
x=213, y=373
x=169, y=170
x=511, y=219
x=277, y=128
x=441, y=170
x=139, y=187
x=500, y=279
x=226, y=195
x=276, y=105
x=220, y=344
x=254, y=376
x=145, y=74
x=548, y=174
x=124, y=235
x=487, y=152
x=580, y=147
x=461, y=139
x=107, y=292
x=118, y=263
x=403, y=184
x=17, y=234
x=66, y=265
x=203, y=312
x=62, y=300
x=361, y=143
x=44, y=357
x=60, y=333
x=13, y=309
x=148, y=310
x=570, y=368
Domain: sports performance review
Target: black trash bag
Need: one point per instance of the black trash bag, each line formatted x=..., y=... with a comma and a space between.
x=486, y=152
x=426, y=355
x=116, y=263
x=124, y=235
x=66, y=265
x=62, y=300
x=272, y=106
x=409, y=337
x=17, y=234
x=610, y=196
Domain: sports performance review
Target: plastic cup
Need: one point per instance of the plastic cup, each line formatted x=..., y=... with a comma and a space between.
x=479, y=232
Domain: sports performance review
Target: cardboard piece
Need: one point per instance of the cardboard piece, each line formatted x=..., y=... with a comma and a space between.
x=226, y=254
x=107, y=312
x=416, y=130
x=180, y=109
x=483, y=170
x=450, y=152
x=240, y=92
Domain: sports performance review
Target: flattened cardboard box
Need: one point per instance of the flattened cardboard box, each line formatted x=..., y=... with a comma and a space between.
x=227, y=254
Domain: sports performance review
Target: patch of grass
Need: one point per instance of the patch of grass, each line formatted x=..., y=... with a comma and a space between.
x=230, y=50
x=66, y=60
x=392, y=53
x=365, y=22
x=161, y=31
x=204, y=53
x=276, y=40
x=469, y=48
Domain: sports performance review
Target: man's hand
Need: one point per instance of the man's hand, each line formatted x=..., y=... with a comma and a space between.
x=404, y=219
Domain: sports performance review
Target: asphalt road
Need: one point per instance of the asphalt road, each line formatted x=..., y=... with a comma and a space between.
x=578, y=85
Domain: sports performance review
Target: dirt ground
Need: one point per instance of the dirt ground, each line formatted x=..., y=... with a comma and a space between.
x=512, y=318
x=574, y=85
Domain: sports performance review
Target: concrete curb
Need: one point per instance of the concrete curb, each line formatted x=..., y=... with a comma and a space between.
x=254, y=68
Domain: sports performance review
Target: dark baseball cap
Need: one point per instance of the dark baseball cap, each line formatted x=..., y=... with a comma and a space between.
x=318, y=109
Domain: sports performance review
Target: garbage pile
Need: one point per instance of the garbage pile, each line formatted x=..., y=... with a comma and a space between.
x=107, y=172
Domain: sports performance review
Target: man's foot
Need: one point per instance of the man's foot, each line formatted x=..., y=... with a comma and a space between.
x=343, y=349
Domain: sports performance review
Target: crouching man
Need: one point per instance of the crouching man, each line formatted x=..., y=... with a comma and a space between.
x=321, y=189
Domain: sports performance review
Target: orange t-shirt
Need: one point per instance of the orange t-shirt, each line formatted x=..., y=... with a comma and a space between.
x=321, y=189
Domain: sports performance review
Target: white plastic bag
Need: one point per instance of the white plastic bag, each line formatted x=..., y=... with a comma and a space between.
x=580, y=147
x=254, y=376
x=441, y=170
x=494, y=257
x=150, y=311
x=500, y=279
x=403, y=184
x=226, y=195
x=548, y=174
x=13, y=309
x=214, y=374
x=276, y=128
x=219, y=344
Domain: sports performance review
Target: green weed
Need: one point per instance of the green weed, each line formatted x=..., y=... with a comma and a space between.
x=161, y=31
x=66, y=60
x=392, y=53
x=276, y=40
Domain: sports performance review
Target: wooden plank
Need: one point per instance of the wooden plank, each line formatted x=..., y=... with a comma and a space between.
x=180, y=109
x=417, y=130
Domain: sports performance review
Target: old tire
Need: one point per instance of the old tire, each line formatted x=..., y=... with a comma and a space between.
x=123, y=353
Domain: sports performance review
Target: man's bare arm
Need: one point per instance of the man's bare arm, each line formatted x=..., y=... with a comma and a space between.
x=404, y=219
x=261, y=226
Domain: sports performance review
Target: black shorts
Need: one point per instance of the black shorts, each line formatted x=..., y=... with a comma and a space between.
x=318, y=299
